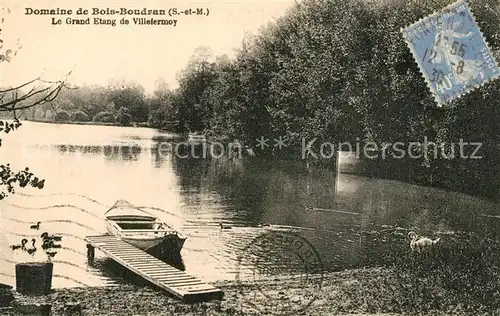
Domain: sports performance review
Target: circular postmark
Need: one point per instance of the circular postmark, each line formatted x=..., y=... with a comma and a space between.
x=279, y=273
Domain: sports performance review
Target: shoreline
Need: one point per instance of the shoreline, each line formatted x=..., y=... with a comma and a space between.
x=91, y=123
x=366, y=291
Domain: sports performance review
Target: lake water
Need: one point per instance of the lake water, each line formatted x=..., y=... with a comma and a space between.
x=88, y=168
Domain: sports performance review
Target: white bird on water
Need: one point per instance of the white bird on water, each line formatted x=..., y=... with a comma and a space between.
x=419, y=243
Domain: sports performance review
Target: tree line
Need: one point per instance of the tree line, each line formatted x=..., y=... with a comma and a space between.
x=120, y=102
x=332, y=70
x=340, y=71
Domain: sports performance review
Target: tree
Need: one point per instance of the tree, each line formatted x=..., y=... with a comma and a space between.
x=79, y=116
x=161, y=106
x=14, y=101
x=90, y=99
x=132, y=96
x=123, y=116
x=106, y=116
x=194, y=110
x=341, y=71
x=62, y=116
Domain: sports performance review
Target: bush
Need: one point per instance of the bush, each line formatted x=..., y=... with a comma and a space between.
x=459, y=275
x=80, y=116
x=105, y=116
x=62, y=116
x=123, y=116
x=157, y=118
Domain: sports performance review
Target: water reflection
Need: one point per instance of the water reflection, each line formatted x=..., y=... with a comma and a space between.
x=63, y=149
x=191, y=172
x=122, y=152
x=158, y=156
x=110, y=152
x=350, y=210
x=345, y=224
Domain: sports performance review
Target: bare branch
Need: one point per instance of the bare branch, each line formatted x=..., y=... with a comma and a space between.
x=50, y=96
x=35, y=96
x=21, y=86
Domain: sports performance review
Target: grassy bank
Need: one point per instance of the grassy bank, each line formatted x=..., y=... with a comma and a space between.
x=351, y=292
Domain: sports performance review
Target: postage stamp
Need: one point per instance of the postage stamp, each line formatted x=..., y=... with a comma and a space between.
x=451, y=52
x=279, y=267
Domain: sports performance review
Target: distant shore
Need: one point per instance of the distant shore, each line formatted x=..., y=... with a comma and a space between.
x=133, y=124
x=351, y=292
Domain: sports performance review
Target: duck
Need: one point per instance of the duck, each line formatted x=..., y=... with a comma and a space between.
x=21, y=246
x=36, y=226
x=222, y=226
x=51, y=254
x=32, y=251
x=48, y=244
x=250, y=151
x=420, y=243
x=46, y=236
x=263, y=225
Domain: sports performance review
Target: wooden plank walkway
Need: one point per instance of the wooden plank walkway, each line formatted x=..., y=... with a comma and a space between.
x=176, y=282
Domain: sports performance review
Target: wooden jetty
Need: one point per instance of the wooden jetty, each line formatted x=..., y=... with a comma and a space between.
x=186, y=287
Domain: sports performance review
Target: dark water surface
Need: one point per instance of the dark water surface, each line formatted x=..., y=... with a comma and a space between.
x=88, y=168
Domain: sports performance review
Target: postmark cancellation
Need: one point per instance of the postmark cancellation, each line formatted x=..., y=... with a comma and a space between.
x=279, y=267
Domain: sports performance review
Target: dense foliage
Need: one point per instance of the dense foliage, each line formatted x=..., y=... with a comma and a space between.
x=331, y=70
x=123, y=116
x=340, y=71
x=337, y=70
x=103, y=104
x=62, y=116
x=105, y=116
x=79, y=116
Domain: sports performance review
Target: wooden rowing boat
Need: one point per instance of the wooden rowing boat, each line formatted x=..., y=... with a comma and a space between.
x=141, y=229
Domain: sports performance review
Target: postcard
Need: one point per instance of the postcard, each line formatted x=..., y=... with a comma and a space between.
x=248, y=157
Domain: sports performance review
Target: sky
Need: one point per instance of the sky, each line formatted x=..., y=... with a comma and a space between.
x=97, y=54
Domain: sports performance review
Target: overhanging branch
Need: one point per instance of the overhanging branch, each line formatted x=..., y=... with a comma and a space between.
x=20, y=100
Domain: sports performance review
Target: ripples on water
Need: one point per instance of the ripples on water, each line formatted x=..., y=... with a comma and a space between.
x=209, y=252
